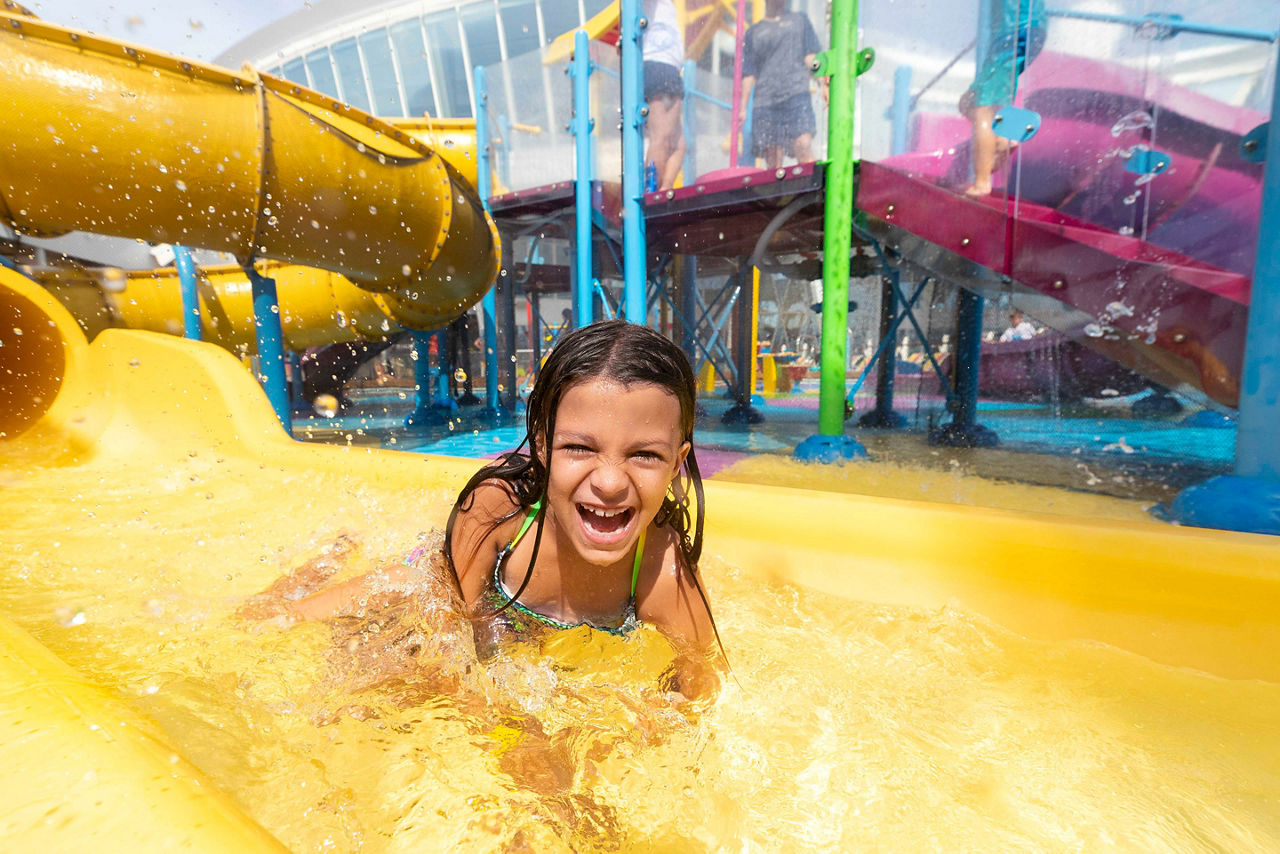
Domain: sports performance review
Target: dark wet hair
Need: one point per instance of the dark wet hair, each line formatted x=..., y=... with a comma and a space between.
x=621, y=352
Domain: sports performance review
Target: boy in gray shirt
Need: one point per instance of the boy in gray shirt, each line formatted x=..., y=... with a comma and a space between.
x=776, y=56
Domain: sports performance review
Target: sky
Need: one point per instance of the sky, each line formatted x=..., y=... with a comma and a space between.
x=200, y=29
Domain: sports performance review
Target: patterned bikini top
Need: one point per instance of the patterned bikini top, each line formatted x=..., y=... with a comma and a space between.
x=501, y=596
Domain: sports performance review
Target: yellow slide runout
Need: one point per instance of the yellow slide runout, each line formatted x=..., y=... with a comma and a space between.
x=105, y=137
x=83, y=768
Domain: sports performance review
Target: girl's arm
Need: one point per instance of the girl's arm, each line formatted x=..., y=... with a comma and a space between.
x=372, y=591
x=669, y=599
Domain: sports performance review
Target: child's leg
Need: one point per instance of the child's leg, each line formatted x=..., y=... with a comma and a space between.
x=663, y=126
x=984, y=148
x=802, y=147
x=668, y=172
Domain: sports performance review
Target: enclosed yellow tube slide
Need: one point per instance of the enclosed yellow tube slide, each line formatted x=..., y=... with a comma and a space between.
x=105, y=137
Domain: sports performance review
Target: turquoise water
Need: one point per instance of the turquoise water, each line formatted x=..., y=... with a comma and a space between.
x=379, y=420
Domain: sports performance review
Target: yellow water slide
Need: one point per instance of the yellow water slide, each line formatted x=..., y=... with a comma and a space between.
x=105, y=137
x=83, y=764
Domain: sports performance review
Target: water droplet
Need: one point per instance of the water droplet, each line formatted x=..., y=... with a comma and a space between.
x=460, y=375
x=181, y=185
x=1137, y=120
x=1093, y=330
x=69, y=617
x=325, y=405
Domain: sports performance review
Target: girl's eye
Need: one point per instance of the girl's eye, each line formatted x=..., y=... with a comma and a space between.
x=575, y=449
x=647, y=456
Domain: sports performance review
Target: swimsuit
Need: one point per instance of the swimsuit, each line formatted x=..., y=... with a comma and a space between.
x=501, y=596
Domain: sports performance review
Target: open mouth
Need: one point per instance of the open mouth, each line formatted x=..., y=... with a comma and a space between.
x=605, y=522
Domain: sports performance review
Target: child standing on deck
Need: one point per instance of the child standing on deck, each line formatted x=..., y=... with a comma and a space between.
x=1014, y=40
x=777, y=53
x=663, y=51
x=598, y=524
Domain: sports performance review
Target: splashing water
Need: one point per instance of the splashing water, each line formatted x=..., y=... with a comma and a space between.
x=896, y=728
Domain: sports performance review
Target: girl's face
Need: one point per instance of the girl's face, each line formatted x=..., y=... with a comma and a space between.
x=615, y=451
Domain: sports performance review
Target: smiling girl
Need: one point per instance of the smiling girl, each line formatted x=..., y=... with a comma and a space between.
x=600, y=523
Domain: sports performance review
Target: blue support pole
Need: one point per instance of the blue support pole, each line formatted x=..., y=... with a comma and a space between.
x=633, y=115
x=489, y=304
x=1249, y=500
x=190, y=294
x=266, y=323
x=964, y=431
x=582, y=124
x=900, y=110
x=422, y=377
x=442, y=402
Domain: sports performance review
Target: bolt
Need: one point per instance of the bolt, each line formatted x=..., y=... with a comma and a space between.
x=964, y=241
x=1059, y=284
x=1250, y=145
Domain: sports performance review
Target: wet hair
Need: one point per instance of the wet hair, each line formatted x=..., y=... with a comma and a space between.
x=620, y=352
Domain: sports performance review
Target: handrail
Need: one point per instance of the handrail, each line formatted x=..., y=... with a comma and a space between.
x=1170, y=24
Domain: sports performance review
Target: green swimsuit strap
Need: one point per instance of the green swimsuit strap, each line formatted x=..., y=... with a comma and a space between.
x=533, y=514
x=528, y=520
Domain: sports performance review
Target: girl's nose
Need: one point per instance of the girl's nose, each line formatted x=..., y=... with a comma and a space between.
x=608, y=478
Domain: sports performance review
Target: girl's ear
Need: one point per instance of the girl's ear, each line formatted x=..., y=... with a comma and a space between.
x=681, y=456
x=540, y=448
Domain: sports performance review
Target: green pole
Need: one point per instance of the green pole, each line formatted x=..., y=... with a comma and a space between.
x=837, y=218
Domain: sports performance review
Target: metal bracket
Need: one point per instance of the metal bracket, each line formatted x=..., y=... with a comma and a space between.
x=1146, y=161
x=1016, y=124
x=1253, y=145
x=822, y=63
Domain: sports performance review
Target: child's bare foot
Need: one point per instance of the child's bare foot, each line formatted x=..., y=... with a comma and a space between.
x=977, y=190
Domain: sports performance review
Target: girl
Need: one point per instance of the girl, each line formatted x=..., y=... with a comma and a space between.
x=598, y=524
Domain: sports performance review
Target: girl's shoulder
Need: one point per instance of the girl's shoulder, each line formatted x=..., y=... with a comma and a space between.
x=485, y=520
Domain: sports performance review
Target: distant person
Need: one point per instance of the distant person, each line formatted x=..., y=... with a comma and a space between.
x=1020, y=329
x=1015, y=39
x=663, y=90
x=777, y=54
